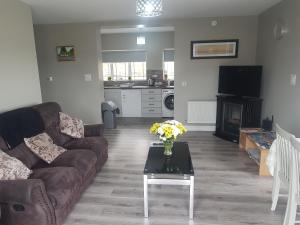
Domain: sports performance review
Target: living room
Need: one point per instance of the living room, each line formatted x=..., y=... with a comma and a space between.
x=227, y=188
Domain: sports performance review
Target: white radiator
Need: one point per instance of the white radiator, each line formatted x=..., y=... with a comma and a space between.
x=202, y=112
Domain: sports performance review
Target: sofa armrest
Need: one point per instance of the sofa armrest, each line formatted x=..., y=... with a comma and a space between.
x=21, y=199
x=93, y=130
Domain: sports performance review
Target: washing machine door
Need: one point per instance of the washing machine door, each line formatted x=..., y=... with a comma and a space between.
x=169, y=102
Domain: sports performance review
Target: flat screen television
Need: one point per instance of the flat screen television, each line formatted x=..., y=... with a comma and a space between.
x=242, y=81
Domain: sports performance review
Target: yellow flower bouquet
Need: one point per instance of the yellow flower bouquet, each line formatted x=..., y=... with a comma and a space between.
x=168, y=132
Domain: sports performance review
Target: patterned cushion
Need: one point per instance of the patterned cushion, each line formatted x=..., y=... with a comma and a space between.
x=12, y=168
x=71, y=126
x=42, y=145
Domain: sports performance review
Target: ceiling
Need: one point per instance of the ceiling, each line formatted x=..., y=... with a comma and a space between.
x=72, y=11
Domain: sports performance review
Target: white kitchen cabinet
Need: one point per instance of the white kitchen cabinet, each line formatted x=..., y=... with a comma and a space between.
x=114, y=95
x=131, y=103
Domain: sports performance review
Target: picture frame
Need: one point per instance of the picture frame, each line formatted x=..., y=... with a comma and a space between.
x=65, y=53
x=214, y=49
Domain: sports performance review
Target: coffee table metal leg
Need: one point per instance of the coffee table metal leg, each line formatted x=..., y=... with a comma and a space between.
x=191, y=197
x=146, y=196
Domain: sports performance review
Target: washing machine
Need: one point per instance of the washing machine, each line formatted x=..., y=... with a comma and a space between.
x=168, y=102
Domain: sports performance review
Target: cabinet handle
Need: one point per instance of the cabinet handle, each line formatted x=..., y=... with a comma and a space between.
x=151, y=110
x=151, y=98
x=151, y=104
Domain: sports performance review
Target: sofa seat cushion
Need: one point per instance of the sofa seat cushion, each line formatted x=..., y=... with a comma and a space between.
x=82, y=159
x=96, y=144
x=61, y=183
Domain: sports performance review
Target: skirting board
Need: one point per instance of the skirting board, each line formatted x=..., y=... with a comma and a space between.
x=201, y=128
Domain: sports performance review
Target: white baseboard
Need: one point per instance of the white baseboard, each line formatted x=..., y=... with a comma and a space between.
x=201, y=128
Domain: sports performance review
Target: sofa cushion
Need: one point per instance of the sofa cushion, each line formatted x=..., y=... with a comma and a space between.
x=82, y=159
x=25, y=155
x=96, y=144
x=42, y=145
x=61, y=184
x=11, y=168
x=71, y=126
x=49, y=112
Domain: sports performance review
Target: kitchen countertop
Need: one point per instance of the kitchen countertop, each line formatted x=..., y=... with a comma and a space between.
x=140, y=87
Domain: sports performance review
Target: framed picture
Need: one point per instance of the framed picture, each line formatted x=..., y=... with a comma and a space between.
x=65, y=53
x=214, y=49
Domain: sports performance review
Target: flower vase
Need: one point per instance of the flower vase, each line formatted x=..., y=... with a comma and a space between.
x=168, y=146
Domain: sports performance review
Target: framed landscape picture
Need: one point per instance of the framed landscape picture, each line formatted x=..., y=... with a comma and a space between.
x=65, y=53
x=213, y=49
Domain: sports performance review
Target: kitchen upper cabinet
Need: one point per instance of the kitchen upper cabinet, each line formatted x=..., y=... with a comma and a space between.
x=114, y=95
x=131, y=103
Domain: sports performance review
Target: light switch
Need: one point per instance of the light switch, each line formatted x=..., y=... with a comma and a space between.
x=293, y=80
x=88, y=77
x=183, y=83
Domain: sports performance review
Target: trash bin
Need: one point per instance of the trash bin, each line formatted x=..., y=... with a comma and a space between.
x=109, y=110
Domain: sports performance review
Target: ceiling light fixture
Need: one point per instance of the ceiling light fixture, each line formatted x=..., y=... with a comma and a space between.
x=149, y=8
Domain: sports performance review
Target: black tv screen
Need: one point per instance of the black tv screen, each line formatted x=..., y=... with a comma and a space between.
x=240, y=80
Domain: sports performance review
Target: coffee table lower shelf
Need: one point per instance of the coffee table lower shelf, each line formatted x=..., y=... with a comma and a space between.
x=187, y=180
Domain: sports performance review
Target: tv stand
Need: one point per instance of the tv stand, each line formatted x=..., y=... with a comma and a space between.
x=234, y=113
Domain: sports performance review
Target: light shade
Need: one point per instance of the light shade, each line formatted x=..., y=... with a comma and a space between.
x=149, y=8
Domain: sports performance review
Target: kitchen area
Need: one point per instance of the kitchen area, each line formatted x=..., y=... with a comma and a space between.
x=138, y=70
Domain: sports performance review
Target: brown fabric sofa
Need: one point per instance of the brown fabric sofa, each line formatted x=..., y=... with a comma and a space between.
x=50, y=193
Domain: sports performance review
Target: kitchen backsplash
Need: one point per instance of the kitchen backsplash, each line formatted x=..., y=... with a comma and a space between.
x=157, y=75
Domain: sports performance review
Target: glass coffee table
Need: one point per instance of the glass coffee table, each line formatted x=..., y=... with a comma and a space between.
x=174, y=170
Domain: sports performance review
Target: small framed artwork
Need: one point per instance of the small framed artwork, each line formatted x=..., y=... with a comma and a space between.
x=214, y=49
x=65, y=53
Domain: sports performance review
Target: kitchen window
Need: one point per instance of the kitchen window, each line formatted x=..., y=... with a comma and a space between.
x=168, y=61
x=124, y=65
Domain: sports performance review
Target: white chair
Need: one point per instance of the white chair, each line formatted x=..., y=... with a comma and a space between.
x=282, y=168
x=294, y=192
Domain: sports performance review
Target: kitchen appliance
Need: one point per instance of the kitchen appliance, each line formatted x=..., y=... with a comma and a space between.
x=168, y=102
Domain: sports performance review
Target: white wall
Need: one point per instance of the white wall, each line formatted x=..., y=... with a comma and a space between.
x=202, y=75
x=19, y=79
x=76, y=96
x=280, y=58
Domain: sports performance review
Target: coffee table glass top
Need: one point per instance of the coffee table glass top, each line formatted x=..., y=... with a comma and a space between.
x=179, y=163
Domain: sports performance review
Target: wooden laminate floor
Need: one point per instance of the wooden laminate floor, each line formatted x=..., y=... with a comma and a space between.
x=227, y=188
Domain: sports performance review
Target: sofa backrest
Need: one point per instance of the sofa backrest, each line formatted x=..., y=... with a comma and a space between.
x=18, y=124
x=49, y=113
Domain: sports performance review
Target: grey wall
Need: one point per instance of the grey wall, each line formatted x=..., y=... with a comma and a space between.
x=280, y=59
x=76, y=96
x=202, y=75
x=19, y=79
x=155, y=44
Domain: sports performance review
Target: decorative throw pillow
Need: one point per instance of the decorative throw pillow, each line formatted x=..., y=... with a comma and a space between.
x=42, y=145
x=71, y=126
x=12, y=168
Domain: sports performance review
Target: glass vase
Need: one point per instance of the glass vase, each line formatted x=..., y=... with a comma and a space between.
x=168, y=147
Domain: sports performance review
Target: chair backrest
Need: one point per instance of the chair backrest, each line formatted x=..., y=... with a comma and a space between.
x=283, y=154
x=295, y=144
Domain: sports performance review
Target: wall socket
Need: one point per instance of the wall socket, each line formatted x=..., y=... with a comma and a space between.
x=88, y=77
x=184, y=84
